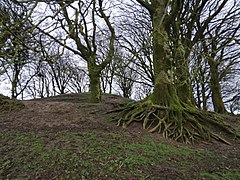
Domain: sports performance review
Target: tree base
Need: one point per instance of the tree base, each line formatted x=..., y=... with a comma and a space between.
x=187, y=124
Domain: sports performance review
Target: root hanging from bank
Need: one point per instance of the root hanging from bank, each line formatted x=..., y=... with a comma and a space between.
x=185, y=124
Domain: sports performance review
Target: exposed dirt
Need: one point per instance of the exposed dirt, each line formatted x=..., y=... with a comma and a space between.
x=63, y=112
x=72, y=112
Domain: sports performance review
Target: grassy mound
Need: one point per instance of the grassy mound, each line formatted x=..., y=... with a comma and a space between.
x=8, y=105
x=65, y=137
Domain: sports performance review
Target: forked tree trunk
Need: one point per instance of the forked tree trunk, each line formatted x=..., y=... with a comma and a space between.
x=164, y=92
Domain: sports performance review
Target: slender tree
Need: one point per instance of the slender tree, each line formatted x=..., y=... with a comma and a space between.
x=217, y=45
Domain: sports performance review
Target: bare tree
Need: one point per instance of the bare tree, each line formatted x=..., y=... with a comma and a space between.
x=200, y=77
x=136, y=29
x=125, y=76
x=86, y=24
x=18, y=44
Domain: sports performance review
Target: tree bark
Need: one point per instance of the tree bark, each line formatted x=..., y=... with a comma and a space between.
x=164, y=92
x=15, y=81
x=184, y=87
x=95, y=86
x=216, y=87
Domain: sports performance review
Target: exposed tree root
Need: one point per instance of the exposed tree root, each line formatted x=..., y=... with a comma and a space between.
x=185, y=125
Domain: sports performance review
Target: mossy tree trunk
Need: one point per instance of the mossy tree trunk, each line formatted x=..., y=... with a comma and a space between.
x=94, y=78
x=85, y=35
x=164, y=110
x=14, y=83
x=215, y=87
x=184, y=87
x=94, y=87
x=175, y=48
x=169, y=109
x=165, y=92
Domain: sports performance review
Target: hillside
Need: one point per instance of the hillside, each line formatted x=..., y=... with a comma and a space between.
x=65, y=137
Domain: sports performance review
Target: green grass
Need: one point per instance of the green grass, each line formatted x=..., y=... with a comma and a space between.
x=229, y=175
x=79, y=155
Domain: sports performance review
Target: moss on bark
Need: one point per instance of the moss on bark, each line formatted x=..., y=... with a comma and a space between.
x=216, y=87
x=184, y=88
x=94, y=87
x=183, y=124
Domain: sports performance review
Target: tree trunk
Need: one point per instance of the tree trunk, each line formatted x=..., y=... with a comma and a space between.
x=184, y=88
x=94, y=87
x=164, y=92
x=15, y=82
x=204, y=97
x=216, y=88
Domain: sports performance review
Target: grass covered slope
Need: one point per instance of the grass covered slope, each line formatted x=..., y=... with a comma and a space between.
x=65, y=137
x=8, y=105
x=93, y=155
